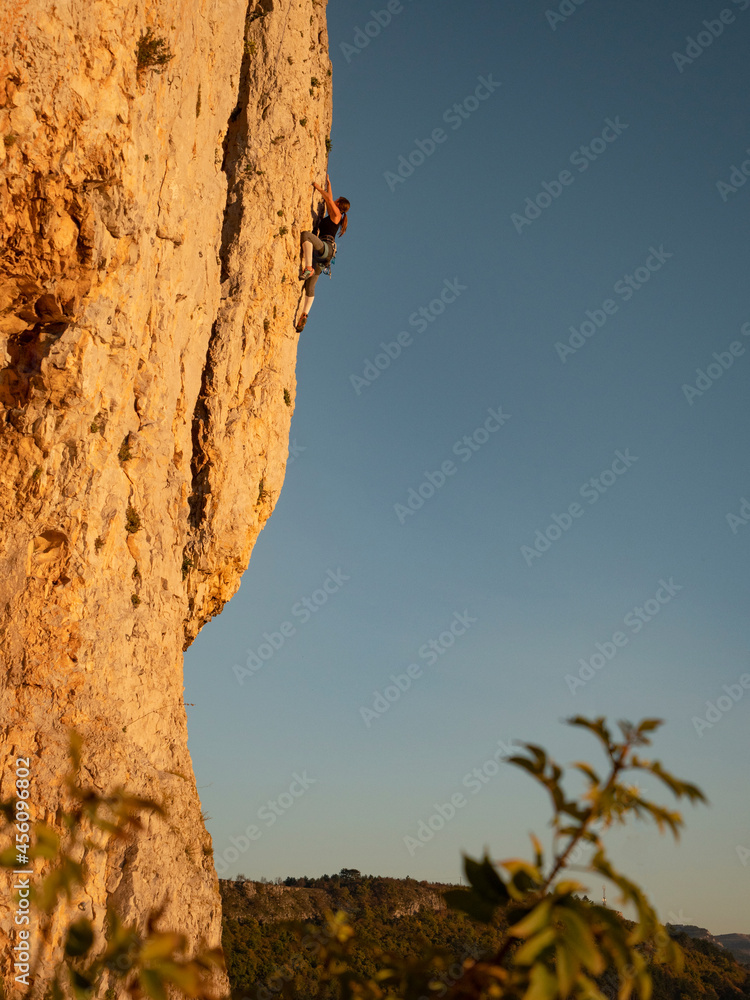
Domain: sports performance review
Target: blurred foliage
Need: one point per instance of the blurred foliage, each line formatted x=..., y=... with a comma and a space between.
x=144, y=962
x=523, y=930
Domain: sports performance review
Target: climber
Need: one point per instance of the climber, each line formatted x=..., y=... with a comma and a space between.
x=324, y=245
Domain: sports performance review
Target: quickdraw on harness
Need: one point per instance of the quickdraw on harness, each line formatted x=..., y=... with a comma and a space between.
x=329, y=259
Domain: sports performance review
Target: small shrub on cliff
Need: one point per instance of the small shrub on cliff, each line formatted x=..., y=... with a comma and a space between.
x=132, y=520
x=152, y=53
x=303, y=122
x=287, y=397
x=135, y=600
x=125, y=454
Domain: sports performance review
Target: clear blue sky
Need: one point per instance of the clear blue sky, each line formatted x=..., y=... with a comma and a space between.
x=638, y=234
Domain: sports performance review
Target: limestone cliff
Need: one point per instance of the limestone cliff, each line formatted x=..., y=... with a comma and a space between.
x=155, y=169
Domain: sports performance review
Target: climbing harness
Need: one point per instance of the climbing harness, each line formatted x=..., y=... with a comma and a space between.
x=329, y=259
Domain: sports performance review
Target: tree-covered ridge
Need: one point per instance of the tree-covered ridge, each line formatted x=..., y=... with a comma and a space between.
x=309, y=898
x=265, y=953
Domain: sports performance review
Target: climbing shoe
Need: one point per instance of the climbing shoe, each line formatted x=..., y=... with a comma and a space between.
x=301, y=322
x=305, y=273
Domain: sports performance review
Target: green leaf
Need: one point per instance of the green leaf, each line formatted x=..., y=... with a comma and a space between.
x=153, y=984
x=534, y=921
x=649, y=725
x=529, y=952
x=596, y=726
x=543, y=985
x=159, y=946
x=185, y=977
x=525, y=877
x=80, y=938
x=46, y=842
x=484, y=878
x=8, y=858
x=82, y=984
x=538, y=851
x=645, y=986
x=75, y=742
x=8, y=809
x=473, y=905
x=578, y=936
x=567, y=969
x=588, y=771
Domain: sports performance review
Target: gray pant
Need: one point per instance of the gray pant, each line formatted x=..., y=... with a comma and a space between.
x=321, y=250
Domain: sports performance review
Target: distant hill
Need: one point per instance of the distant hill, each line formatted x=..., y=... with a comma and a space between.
x=268, y=902
x=737, y=944
x=405, y=917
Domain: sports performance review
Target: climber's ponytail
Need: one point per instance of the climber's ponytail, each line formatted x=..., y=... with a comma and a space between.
x=343, y=204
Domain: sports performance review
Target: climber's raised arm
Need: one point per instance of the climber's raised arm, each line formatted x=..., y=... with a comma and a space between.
x=333, y=209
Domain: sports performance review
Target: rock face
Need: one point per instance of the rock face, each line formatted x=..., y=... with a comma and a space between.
x=269, y=903
x=155, y=169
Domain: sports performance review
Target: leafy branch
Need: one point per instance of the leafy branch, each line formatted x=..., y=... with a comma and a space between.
x=554, y=943
x=148, y=962
x=558, y=943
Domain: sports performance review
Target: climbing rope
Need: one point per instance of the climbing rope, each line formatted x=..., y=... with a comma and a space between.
x=283, y=32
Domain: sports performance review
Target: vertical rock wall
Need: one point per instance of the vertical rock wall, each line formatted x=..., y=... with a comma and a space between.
x=149, y=227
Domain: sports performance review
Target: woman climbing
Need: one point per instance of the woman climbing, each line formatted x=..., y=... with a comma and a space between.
x=324, y=246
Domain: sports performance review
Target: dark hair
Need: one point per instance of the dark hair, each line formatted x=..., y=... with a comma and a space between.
x=344, y=206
